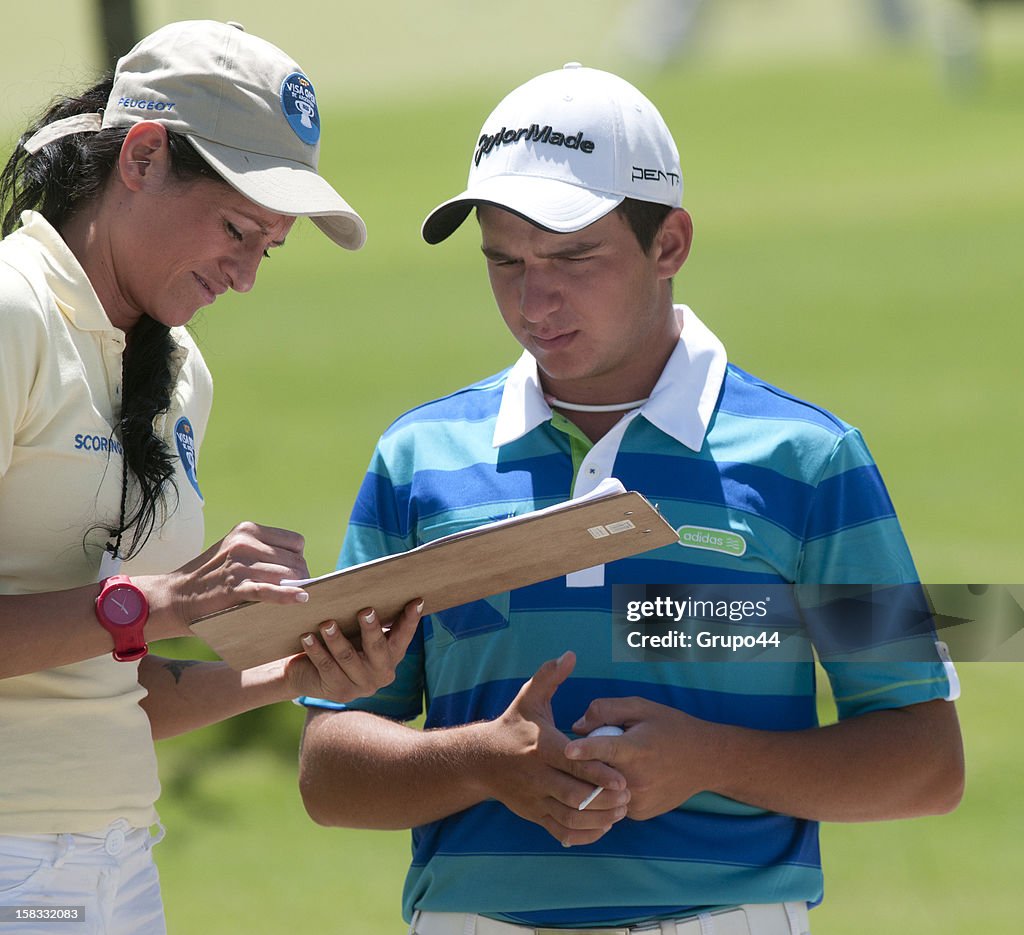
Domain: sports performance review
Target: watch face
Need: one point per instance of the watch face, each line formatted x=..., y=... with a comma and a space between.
x=122, y=606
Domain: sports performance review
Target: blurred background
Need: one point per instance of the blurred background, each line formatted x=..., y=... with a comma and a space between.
x=855, y=170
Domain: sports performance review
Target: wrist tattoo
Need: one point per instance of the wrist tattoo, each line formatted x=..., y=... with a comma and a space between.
x=177, y=666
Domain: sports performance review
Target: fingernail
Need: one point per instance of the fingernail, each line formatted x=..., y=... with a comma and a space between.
x=419, y=607
x=371, y=616
x=302, y=597
x=566, y=844
x=307, y=640
x=331, y=629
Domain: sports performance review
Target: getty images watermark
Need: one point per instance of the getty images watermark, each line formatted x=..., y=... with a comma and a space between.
x=792, y=623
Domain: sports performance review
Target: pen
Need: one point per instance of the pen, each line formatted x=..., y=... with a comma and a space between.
x=609, y=730
x=590, y=798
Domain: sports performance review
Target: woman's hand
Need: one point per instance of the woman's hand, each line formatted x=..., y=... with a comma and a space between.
x=183, y=695
x=248, y=564
x=333, y=668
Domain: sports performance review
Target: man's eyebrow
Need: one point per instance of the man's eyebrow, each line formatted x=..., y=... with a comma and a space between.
x=576, y=248
x=568, y=251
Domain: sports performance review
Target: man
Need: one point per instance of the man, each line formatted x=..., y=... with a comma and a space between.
x=707, y=821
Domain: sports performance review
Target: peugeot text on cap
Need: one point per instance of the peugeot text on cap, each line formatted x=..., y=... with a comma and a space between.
x=245, y=105
x=563, y=150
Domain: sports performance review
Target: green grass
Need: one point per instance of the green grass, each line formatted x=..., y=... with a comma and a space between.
x=858, y=242
x=242, y=857
x=951, y=874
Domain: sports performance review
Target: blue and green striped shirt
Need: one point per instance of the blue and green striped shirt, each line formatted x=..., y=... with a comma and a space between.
x=715, y=448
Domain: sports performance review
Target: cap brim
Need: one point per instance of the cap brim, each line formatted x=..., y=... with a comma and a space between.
x=549, y=203
x=286, y=187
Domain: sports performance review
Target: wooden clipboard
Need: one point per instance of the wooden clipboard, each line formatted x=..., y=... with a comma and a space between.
x=457, y=569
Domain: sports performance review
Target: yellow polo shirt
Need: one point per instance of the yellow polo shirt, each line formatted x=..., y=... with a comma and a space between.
x=75, y=746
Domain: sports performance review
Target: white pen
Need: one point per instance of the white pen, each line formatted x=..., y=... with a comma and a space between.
x=609, y=730
x=590, y=798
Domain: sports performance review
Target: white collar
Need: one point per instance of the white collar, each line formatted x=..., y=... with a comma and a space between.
x=681, y=403
x=71, y=288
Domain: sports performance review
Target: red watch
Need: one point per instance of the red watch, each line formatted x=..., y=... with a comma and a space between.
x=122, y=610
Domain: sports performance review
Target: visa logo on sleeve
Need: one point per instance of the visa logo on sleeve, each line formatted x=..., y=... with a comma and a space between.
x=185, y=439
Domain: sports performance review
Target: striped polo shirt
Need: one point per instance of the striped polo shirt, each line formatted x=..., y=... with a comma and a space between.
x=796, y=495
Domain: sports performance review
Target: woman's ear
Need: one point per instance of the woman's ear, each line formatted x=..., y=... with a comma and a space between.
x=145, y=157
x=672, y=243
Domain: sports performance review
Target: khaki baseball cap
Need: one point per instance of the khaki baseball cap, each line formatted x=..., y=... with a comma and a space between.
x=564, y=149
x=245, y=105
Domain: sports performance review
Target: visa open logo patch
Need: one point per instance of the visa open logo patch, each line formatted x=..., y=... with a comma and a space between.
x=714, y=540
x=185, y=437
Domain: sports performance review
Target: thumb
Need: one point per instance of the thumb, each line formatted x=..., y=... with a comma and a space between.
x=542, y=687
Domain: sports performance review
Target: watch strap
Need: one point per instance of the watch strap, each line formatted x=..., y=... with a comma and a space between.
x=129, y=644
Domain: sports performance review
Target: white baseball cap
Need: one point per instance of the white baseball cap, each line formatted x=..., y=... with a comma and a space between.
x=245, y=105
x=563, y=150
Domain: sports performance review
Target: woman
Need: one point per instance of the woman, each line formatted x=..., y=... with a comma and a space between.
x=139, y=202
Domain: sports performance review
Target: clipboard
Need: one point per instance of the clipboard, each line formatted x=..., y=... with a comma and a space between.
x=457, y=569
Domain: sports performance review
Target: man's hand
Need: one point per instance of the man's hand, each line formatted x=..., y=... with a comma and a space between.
x=877, y=766
x=660, y=753
x=531, y=775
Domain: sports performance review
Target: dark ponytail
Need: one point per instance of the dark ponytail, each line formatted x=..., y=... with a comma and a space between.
x=148, y=381
x=60, y=179
x=65, y=174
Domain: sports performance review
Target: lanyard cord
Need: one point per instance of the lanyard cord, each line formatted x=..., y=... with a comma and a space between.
x=582, y=407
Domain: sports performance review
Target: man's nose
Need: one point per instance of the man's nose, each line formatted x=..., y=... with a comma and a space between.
x=539, y=295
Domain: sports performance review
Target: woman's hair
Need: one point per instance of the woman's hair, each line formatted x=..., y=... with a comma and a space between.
x=57, y=181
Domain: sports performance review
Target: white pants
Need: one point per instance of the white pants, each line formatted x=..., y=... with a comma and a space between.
x=85, y=884
x=748, y=919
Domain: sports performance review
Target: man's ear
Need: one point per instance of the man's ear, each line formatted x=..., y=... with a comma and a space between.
x=145, y=158
x=672, y=243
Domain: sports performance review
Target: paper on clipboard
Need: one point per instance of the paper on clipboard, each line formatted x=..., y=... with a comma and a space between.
x=607, y=488
x=607, y=524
